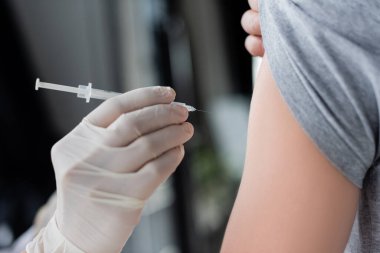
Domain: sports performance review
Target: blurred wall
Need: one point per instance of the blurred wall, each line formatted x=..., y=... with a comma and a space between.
x=69, y=43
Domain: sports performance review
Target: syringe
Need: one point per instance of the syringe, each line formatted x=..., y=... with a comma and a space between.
x=87, y=92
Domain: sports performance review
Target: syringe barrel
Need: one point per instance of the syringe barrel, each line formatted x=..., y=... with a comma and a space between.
x=102, y=94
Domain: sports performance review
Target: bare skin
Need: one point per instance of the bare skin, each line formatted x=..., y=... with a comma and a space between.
x=291, y=198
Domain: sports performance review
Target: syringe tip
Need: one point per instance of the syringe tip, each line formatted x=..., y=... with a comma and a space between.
x=191, y=108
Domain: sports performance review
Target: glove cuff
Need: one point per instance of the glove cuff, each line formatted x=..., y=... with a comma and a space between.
x=50, y=239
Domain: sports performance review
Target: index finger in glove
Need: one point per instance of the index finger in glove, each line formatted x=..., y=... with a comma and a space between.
x=133, y=100
x=130, y=126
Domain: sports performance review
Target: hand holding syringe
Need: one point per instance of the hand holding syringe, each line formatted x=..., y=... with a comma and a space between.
x=111, y=163
x=87, y=92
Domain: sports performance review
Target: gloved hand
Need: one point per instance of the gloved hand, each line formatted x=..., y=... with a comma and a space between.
x=112, y=162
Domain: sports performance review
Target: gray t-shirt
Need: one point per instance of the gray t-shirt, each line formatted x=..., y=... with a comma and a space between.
x=325, y=58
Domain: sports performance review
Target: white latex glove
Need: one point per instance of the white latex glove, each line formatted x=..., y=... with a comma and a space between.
x=109, y=165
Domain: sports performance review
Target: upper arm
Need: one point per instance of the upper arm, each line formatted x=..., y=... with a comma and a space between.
x=291, y=198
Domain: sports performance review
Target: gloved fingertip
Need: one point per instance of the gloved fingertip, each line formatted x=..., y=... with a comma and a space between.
x=180, y=110
x=188, y=127
x=167, y=92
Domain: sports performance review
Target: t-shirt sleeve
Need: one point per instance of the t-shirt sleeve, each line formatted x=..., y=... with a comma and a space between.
x=326, y=71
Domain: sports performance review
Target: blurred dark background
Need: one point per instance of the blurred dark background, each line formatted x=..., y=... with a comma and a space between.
x=195, y=46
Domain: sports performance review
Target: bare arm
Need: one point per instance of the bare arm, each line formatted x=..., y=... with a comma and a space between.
x=291, y=198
